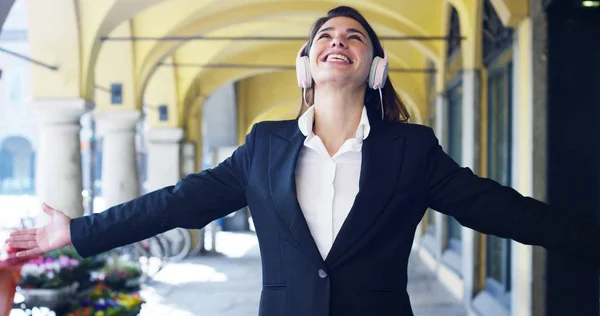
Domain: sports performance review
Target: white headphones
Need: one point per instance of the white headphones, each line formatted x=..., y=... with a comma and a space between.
x=377, y=75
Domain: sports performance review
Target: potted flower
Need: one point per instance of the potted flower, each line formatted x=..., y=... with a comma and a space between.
x=48, y=282
x=122, y=275
x=83, y=272
x=103, y=301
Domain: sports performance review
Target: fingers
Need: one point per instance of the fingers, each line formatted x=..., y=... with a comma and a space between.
x=47, y=209
x=22, y=244
x=22, y=238
x=30, y=253
x=23, y=232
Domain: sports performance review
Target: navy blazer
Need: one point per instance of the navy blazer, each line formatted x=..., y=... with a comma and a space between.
x=404, y=171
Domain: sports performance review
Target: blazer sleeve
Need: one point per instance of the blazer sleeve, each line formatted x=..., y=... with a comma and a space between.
x=193, y=202
x=490, y=208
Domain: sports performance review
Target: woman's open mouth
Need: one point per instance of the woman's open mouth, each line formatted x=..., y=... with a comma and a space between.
x=338, y=58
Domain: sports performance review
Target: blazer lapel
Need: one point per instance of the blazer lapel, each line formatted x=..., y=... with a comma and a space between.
x=381, y=161
x=284, y=149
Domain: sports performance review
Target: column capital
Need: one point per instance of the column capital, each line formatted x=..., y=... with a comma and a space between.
x=116, y=120
x=164, y=134
x=60, y=110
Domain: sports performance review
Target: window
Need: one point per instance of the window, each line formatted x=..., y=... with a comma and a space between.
x=498, y=254
x=455, y=151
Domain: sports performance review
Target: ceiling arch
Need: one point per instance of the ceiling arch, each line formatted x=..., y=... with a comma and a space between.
x=54, y=39
x=218, y=15
x=99, y=19
x=468, y=13
x=197, y=53
x=207, y=80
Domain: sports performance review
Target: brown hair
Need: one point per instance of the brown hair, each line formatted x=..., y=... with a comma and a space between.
x=394, y=108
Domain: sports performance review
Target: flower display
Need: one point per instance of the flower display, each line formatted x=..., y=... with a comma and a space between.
x=103, y=301
x=121, y=275
x=48, y=273
x=63, y=280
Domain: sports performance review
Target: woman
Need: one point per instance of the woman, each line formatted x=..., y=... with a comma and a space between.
x=335, y=195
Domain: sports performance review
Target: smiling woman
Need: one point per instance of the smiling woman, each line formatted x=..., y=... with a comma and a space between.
x=336, y=194
x=355, y=46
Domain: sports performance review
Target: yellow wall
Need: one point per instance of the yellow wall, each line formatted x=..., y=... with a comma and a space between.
x=162, y=90
x=215, y=16
x=276, y=96
x=54, y=39
x=511, y=12
x=91, y=15
x=115, y=66
x=285, y=111
x=260, y=93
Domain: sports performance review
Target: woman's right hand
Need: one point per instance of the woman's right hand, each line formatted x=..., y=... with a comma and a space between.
x=36, y=241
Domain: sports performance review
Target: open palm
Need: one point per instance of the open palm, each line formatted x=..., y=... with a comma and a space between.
x=36, y=241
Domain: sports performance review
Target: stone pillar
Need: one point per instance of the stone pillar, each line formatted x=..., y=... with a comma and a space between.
x=188, y=163
x=59, y=180
x=539, y=141
x=188, y=166
x=528, y=263
x=164, y=145
x=119, y=167
x=441, y=130
x=471, y=134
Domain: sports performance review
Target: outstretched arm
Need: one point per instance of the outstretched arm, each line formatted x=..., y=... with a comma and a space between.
x=193, y=202
x=488, y=207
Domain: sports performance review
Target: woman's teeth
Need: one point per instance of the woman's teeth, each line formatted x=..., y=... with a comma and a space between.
x=338, y=57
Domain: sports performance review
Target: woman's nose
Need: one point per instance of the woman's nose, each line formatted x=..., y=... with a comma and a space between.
x=338, y=42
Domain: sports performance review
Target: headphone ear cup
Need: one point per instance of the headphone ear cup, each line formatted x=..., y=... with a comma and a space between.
x=373, y=71
x=378, y=74
x=303, y=72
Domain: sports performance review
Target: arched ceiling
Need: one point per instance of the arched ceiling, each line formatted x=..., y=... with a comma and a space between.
x=207, y=80
x=184, y=18
x=267, y=53
x=82, y=24
x=99, y=19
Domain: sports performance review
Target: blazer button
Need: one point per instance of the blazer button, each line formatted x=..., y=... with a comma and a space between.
x=322, y=274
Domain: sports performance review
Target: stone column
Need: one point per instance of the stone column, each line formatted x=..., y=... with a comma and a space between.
x=441, y=130
x=188, y=158
x=539, y=141
x=119, y=167
x=188, y=166
x=164, y=162
x=59, y=180
x=471, y=134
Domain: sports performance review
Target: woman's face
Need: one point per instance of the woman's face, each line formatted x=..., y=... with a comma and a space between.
x=341, y=52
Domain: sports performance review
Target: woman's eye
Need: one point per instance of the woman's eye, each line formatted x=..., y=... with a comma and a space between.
x=356, y=37
x=324, y=35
